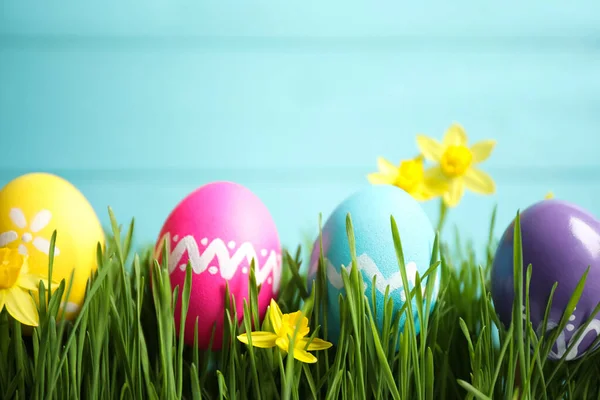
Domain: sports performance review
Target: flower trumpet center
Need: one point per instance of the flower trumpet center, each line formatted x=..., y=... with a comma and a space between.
x=289, y=323
x=456, y=160
x=11, y=263
x=410, y=175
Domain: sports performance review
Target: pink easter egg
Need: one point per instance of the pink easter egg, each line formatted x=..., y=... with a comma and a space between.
x=220, y=228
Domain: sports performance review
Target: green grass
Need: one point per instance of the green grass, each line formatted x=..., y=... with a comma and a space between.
x=123, y=345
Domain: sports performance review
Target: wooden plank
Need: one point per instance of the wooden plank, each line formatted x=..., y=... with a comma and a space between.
x=301, y=18
x=197, y=109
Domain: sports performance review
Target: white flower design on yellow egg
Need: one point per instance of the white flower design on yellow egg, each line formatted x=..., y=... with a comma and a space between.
x=28, y=235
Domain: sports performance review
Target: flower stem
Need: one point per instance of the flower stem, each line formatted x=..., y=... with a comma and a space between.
x=443, y=213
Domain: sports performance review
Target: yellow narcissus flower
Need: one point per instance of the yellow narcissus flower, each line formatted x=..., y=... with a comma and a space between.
x=15, y=284
x=457, y=162
x=409, y=176
x=284, y=326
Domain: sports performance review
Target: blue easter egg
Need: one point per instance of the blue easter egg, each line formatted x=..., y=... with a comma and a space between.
x=370, y=210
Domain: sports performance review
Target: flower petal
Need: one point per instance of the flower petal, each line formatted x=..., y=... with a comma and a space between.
x=455, y=192
x=377, y=178
x=30, y=282
x=426, y=192
x=21, y=306
x=386, y=167
x=421, y=195
x=23, y=250
x=479, y=182
x=43, y=245
x=40, y=221
x=2, y=297
x=304, y=356
x=455, y=136
x=435, y=181
x=482, y=150
x=261, y=339
x=8, y=237
x=316, y=344
x=430, y=148
x=275, y=315
x=435, y=174
x=17, y=217
x=283, y=343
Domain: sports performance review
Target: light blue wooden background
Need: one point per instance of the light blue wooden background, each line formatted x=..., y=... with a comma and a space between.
x=138, y=103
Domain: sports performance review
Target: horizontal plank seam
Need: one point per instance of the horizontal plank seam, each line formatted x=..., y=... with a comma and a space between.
x=298, y=175
x=542, y=43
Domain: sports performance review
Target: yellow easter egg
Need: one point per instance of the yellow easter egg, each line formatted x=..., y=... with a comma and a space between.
x=32, y=207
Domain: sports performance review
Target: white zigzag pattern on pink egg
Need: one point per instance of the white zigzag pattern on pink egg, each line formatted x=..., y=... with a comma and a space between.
x=228, y=265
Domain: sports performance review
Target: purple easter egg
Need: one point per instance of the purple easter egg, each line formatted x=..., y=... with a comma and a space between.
x=560, y=240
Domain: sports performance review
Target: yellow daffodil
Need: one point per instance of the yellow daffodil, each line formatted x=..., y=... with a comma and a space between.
x=284, y=326
x=409, y=176
x=15, y=284
x=549, y=196
x=456, y=169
